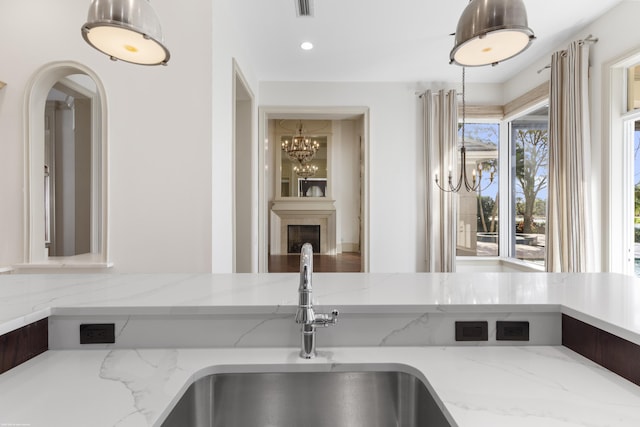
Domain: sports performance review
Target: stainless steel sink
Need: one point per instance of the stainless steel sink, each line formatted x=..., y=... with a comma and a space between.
x=307, y=399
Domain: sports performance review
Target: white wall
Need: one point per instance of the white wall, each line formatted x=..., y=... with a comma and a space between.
x=159, y=130
x=228, y=44
x=244, y=189
x=346, y=183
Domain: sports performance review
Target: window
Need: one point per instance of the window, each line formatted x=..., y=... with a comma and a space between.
x=529, y=137
x=624, y=191
x=478, y=231
x=636, y=197
x=633, y=143
x=621, y=167
x=512, y=225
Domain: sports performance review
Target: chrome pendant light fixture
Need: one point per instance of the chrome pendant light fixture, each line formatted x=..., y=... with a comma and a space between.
x=128, y=30
x=491, y=31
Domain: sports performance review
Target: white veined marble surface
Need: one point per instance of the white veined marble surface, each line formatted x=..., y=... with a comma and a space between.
x=608, y=301
x=478, y=387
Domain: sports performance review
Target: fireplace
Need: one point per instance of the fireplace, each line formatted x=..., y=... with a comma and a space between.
x=298, y=235
x=314, y=211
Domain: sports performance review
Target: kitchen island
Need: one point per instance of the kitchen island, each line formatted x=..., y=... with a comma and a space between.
x=172, y=329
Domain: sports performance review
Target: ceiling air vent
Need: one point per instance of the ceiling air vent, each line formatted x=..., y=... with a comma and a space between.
x=304, y=7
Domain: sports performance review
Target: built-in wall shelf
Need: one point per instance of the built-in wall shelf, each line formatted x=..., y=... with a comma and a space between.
x=84, y=263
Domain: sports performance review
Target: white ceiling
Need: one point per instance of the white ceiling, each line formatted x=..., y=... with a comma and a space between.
x=393, y=41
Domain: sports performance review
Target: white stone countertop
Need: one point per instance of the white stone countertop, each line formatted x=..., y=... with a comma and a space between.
x=608, y=301
x=477, y=386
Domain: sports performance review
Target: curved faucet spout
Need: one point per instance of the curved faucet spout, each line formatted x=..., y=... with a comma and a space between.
x=306, y=267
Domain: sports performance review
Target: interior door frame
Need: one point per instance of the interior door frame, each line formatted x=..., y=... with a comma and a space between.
x=244, y=163
x=266, y=113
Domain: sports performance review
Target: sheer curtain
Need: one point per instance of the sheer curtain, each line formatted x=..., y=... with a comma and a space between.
x=440, y=147
x=569, y=234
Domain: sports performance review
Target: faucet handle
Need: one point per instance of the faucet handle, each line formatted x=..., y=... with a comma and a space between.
x=332, y=319
x=325, y=320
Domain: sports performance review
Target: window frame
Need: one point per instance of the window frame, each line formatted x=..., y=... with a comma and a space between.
x=628, y=167
x=506, y=186
x=510, y=247
x=617, y=168
x=627, y=122
x=498, y=121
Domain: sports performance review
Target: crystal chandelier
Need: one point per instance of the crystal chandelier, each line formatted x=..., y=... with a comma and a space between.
x=463, y=179
x=301, y=149
x=305, y=171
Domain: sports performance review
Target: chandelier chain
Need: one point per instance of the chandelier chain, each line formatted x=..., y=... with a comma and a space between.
x=464, y=103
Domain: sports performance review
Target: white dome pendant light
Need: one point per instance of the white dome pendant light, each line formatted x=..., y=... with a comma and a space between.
x=128, y=30
x=491, y=31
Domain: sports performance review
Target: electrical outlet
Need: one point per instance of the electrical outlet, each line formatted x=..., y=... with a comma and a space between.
x=472, y=331
x=97, y=333
x=512, y=331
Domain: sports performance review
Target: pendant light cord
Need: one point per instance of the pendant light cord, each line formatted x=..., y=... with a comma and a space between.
x=464, y=104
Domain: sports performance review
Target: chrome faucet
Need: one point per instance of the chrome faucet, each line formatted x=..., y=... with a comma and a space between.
x=305, y=314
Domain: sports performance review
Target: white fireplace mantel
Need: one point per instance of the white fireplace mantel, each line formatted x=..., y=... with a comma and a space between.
x=303, y=211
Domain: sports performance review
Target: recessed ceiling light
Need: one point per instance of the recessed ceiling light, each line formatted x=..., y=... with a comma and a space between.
x=306, y=46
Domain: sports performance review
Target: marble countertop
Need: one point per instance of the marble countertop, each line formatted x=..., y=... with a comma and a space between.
x=477, y=386
x=608, y=301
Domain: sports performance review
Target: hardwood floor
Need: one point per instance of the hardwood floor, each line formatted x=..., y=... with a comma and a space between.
x=344, y=262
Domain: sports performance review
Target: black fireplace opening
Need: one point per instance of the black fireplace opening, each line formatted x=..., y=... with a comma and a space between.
x=298, y=235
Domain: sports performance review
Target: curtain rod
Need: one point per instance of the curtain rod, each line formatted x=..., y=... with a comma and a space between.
x=423, y=93
x=588, y=39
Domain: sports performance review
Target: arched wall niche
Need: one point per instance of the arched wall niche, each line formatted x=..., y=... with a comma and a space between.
x=36, y=93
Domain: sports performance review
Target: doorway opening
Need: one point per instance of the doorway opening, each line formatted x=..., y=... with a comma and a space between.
x=328, y=190
x=66, y=170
